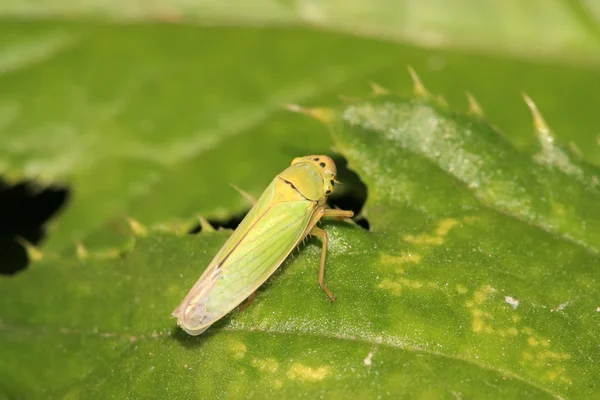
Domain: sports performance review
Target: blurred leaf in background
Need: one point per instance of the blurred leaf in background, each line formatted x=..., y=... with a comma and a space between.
x=114, y=110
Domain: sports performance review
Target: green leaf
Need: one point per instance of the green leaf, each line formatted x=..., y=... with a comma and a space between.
x=449, y=294
x=478, y=278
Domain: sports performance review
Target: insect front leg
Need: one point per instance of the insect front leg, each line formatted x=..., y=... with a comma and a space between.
x=324, y=239
x=337, y=214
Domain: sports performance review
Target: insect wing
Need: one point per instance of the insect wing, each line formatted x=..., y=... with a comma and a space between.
x=259, y=254
x=266, y=236
x=212, y=272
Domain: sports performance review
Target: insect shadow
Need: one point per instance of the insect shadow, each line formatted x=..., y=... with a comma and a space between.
x=24, y=209
x=189, y=341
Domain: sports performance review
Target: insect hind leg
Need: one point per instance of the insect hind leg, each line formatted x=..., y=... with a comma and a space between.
x=315, y=231
x=248, y=301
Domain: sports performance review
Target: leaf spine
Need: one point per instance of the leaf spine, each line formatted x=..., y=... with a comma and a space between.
x=81, y=251
x=205, y=225
x=418, y=87
x=137, y=228
x=542, y=129
x=33, y=253
x=322, y=114
x=474, y=107
x=378, y=90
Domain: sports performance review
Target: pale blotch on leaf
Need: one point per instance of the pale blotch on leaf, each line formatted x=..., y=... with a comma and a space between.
x=479, y=317
x=539, y=357
x=460, y=289
x=266, y=365
x=403, y=258
x=303, y=372
x=399, y=261
x=237, y=349
x=441, y=231
x=277, y=384
x=396, y=286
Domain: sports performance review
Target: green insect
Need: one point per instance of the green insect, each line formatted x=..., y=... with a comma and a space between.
x=286, y=212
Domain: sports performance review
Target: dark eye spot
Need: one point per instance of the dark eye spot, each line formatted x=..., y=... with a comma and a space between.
x=322, y=164
x=328, y=192
x=316, y=159
x=332, y=183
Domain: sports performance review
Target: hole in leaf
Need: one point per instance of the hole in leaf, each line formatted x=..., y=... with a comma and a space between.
x=351, y=194
x=228, y=223
x=24, y=209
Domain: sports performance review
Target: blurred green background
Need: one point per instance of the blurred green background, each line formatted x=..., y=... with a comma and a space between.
x=149, y=109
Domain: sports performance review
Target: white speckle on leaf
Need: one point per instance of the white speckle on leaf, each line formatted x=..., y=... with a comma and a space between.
x=512, y=301
x=560, y=307
x=369, y=358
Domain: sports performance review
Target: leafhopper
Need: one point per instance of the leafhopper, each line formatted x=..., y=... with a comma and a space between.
x=286, y=212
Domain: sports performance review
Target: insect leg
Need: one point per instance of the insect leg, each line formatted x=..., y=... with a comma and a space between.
x=323, y=235
x=246, y=195
x=337, y=214
x=248, y=301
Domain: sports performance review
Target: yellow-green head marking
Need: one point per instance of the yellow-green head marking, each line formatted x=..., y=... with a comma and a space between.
x=313, y=176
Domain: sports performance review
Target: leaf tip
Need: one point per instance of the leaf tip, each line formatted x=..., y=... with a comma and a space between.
x=474, y=107
x=33, y=253
x=418, y=87
x=137, y=228
x=325, y=115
